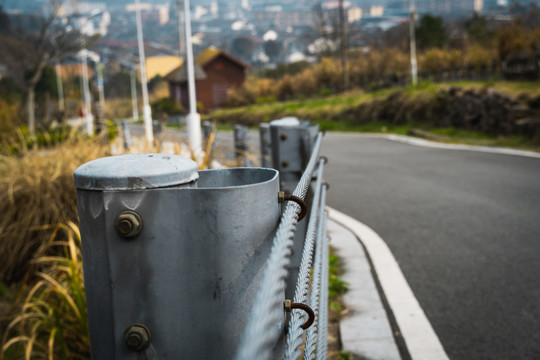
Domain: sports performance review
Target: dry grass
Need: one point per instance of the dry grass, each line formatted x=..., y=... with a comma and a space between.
x=52, y=322
x=36, y=195
x=120, y=108
x=37, y=191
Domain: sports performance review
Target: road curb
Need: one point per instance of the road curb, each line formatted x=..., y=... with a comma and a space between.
x=432, y=144
x=418, y=334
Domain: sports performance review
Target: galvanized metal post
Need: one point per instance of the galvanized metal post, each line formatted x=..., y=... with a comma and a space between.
x=126, y=134
x=208, y=128
x=266, y=145
x=240, y=144
x=157, y=128
x=292, y=144
x=172, y=257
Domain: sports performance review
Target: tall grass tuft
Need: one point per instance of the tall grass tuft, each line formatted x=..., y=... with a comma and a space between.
x=52, y=323
x=36, y=191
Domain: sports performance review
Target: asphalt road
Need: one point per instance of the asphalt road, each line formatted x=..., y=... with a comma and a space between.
x=465, y=229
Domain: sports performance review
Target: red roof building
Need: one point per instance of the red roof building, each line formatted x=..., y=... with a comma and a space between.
x=215, y=73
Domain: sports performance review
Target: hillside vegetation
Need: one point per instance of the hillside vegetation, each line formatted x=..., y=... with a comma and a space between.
x=501, y=109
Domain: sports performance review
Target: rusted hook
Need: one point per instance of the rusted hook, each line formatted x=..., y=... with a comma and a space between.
x=289, y=305
x=303, y=207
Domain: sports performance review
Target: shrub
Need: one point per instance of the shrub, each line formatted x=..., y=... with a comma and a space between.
x=328, y=74
x=434, y=60
x=10, y=116
x=305, y=83
x=164, y=107
x=478, y=56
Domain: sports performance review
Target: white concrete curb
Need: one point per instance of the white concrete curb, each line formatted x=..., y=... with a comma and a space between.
x=420, y=338
x=365, y=329
x=426, y=143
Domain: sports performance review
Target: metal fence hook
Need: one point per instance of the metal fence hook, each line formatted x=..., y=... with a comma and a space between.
x=289, y=305
x=303, y=207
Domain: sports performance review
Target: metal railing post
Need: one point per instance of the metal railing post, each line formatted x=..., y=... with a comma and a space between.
x=292, y=143
x=173, y=257
x=126, y=134
x=240, y=144
x=157, y=128
x=208, y=128
x=266, y=145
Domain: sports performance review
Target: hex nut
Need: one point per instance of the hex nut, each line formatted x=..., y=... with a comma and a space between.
x=128, y=224
x=137, y=337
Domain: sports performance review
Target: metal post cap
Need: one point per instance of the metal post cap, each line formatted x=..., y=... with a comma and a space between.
x=136, y=172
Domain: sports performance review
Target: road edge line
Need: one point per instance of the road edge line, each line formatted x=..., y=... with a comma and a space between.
x=421, y=340
x=436, y=145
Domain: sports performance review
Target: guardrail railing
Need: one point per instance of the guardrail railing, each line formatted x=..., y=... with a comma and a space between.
x=214, y=264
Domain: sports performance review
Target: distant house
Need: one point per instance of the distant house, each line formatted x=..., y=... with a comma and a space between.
x=215, y=73
x=161, y=65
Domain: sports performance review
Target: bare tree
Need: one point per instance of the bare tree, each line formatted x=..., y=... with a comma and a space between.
x=326, y=25
x=343, y=45
x=52, y=40
x=331, y=25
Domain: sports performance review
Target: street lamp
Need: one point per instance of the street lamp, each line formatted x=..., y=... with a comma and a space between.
x=412, y=21
x=193, y=119
x=134, y=94
x=86, y=91
x=147, y=110
x=60, y=88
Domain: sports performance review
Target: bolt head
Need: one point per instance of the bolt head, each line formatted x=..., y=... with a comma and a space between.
x=125, y=226
x=134, y=341
x=283, y=136
x=137, y=337
x=128, y=224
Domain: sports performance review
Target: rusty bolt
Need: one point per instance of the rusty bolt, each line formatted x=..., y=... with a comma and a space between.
x=284, y=163
x=283, y=136
x=137, y=337
x=128, y=224
x=281, y=197
x=287, y=304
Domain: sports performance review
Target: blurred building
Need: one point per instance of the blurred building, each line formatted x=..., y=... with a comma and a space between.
x=162, y=65
x=156, y=13
x=215, y=73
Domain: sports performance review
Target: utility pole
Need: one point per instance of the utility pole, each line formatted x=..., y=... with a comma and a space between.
x=412, y=23
x=60, y=87
x=343, y=45
x=181, y=37
x=134, y=94
x=193, y=119
x=86, y=91
x=101, y=94
x=147, y=111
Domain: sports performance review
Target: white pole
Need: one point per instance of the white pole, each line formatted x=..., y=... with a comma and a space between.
x=412, y=23
x=86, y=90
x=101, y=90
x=193, y=119
x=147, y=111
x=134, y=95
x=60, y=86
x=181, y=36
